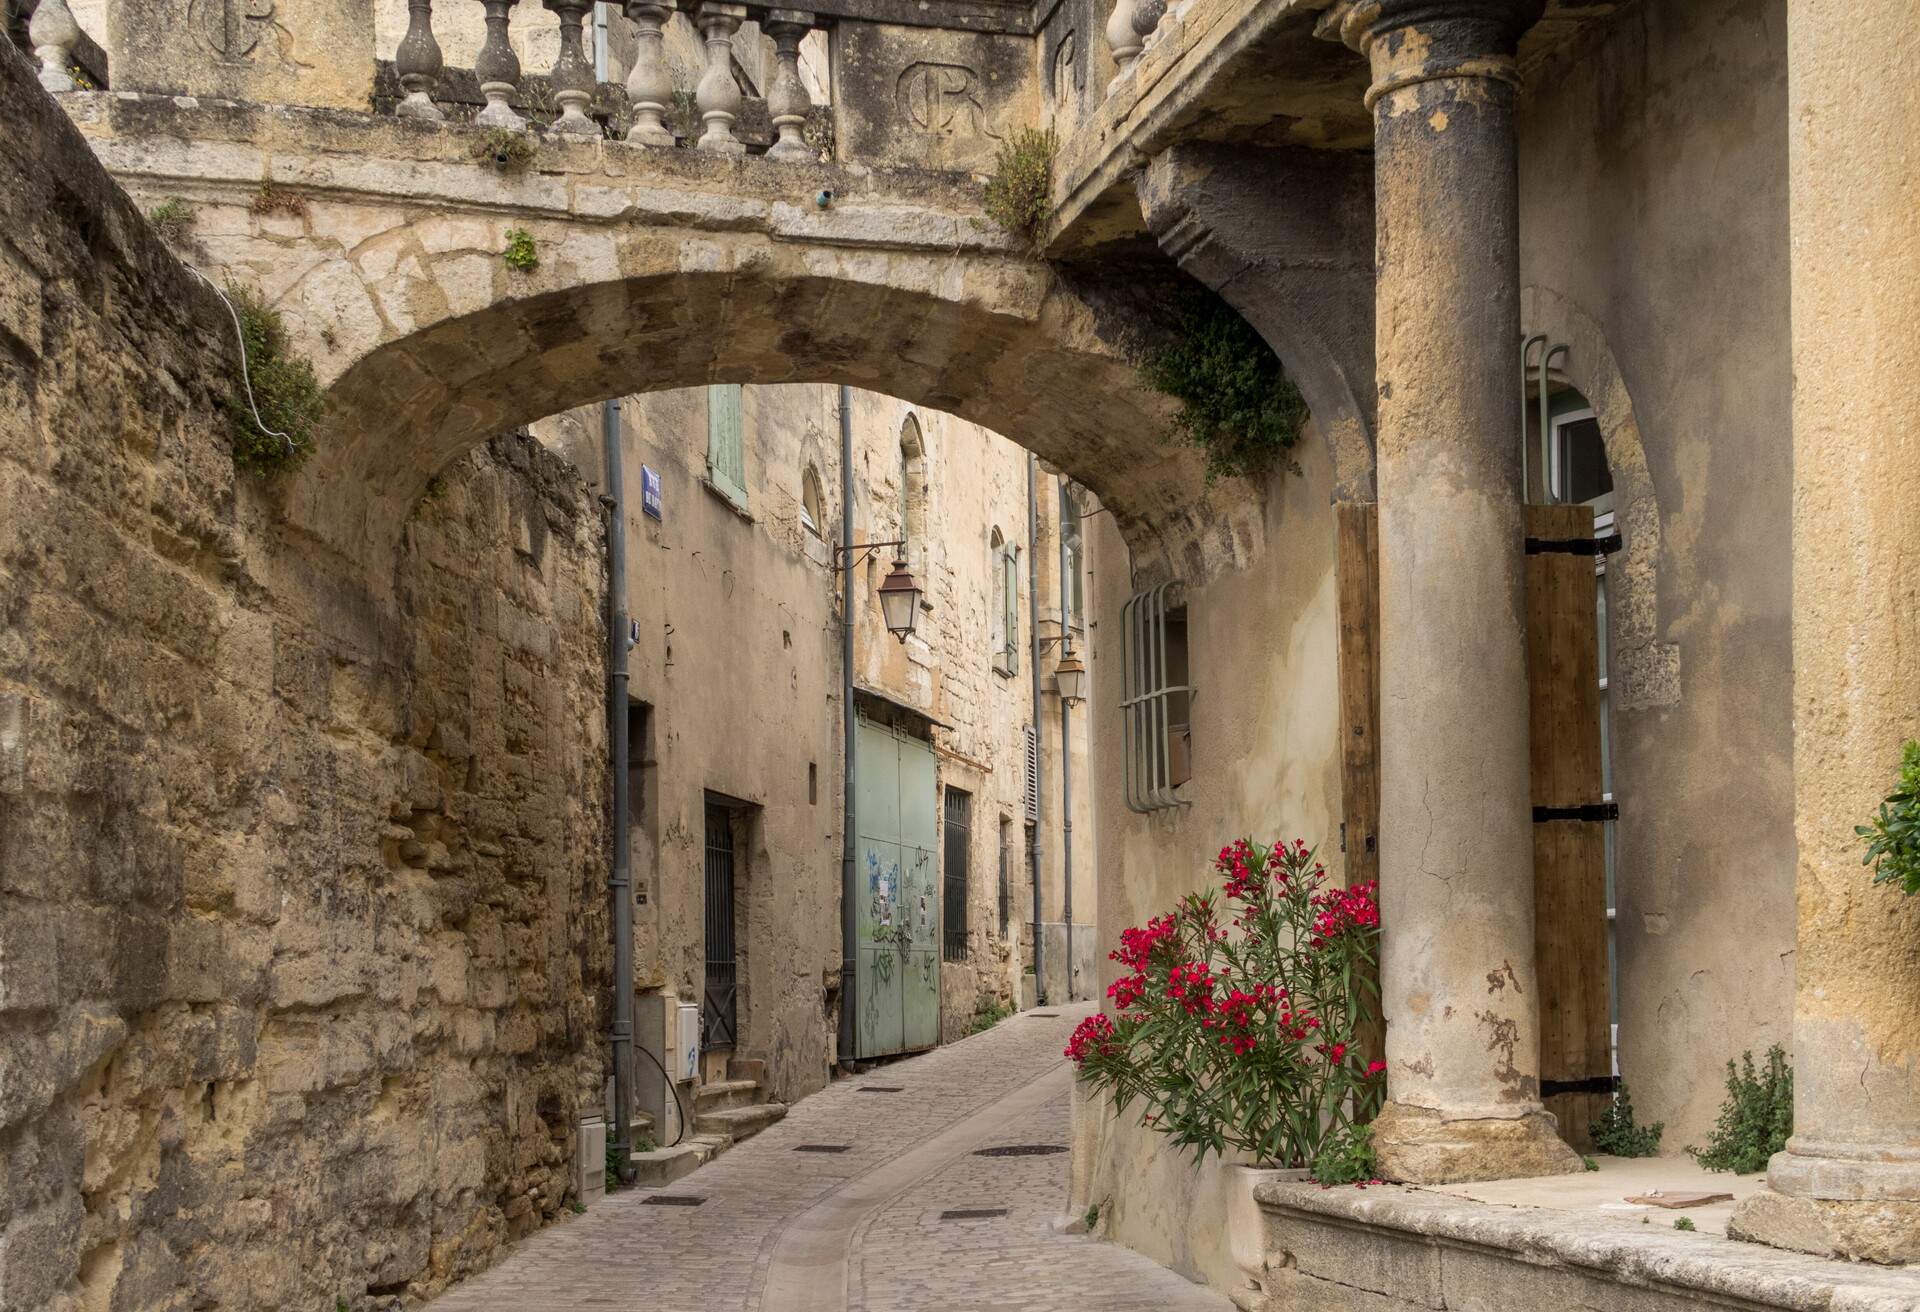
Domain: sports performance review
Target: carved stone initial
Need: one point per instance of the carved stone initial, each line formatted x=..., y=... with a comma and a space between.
x=942, y=98
x=229, y=28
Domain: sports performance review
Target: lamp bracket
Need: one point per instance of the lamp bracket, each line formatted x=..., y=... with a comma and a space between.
x=857, y=552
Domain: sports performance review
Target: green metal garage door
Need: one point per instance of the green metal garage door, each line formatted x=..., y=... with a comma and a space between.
x=897, y=979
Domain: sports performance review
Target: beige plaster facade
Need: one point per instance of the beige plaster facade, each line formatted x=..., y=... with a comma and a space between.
x=738, y=669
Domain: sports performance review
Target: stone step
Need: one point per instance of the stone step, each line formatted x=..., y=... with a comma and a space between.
x=747, y=1068
x=665, y=1165
x=720, y=1095
x=739, y=1123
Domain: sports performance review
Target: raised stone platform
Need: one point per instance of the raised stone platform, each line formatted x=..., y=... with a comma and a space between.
x=1392, y=1248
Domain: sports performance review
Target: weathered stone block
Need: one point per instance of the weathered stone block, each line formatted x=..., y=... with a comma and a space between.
x=924, y=98
x=294, y=52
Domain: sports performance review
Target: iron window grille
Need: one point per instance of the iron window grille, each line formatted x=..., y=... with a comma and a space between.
x=1155, y=743
x=959, y=843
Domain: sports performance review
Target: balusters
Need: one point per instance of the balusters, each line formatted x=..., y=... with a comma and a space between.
x=787, y=100
x=718, y=95
x=54, y=35
x=1146, y=17
x=572, y=76
x=498, y=69
x=649, y=84
x=419, y=64
x=1125, y=41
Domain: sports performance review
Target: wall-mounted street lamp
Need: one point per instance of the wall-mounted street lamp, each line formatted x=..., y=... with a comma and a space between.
x=1070, y=677
x=899, y=593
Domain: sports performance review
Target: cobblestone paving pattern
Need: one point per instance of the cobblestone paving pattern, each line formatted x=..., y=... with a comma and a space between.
x=627, y=1255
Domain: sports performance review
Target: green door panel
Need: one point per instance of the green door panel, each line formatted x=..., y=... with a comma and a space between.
x=897, y=916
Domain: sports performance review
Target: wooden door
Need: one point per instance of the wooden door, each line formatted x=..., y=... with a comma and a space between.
x=1569, y=846
x=1357, y=569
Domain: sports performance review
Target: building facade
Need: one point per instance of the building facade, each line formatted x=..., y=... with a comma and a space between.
x=737, y=710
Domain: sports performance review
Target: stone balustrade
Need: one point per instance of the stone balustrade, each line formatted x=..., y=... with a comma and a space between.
x=717, y=98
x=1129, y=27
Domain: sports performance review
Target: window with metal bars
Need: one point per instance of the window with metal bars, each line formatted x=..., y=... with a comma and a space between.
x=1156, y=746
x=1006, y=875
x=959, y=845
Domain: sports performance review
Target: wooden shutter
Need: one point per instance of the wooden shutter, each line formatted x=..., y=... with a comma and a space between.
x=1569, y=852
x=1357, y=566
x=1030, y=788
x=1010, y=609
x=726, y=459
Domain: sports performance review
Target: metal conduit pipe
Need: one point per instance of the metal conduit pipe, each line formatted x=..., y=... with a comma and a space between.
x=620, y=876
x=1039, y=740
x=1066, y=745
x=848, y=891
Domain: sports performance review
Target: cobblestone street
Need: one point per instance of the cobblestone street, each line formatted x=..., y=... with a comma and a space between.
x=792, y=1231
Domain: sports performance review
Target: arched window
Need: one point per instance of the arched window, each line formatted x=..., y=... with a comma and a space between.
x=813, y=505
x=1004, y=560
x=913, y=488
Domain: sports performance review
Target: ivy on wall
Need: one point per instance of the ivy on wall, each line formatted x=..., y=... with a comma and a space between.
x=1236, y=402
x=272, y=412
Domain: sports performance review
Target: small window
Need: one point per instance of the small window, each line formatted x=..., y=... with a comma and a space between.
x=1156, y=746
x=1006, y=605
x=813, y=506
x=1579, y=461
x=958, y=847
x=726, y=457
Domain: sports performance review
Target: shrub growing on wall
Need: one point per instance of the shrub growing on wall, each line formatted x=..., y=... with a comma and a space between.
x=1893, y=847
x=1020, y=192
x=273, y=412
x=1236, y=1023
x=1236, y=402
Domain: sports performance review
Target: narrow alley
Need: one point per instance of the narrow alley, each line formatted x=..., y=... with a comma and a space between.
x=854, y=1202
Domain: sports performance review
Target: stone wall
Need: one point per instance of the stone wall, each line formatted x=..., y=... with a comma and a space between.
x=301, y=909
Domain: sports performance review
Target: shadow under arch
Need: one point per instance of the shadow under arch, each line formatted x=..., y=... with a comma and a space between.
x=1037, y=369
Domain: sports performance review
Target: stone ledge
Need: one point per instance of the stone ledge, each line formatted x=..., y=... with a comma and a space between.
x=1392, y=1247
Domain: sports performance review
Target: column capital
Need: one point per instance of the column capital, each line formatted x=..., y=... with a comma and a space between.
x=1414, y=41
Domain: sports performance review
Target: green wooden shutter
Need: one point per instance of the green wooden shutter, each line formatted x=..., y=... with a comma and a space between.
x=726, y=460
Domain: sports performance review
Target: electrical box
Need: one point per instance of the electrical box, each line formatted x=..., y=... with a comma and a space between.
x=686, y=1058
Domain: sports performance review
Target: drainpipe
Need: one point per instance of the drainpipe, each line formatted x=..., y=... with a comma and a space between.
x=1066, y=746
x=620, y=878
x=1033, y=611
x=848, y=891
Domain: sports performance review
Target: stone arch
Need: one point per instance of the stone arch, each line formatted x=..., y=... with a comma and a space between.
x=1645, y=671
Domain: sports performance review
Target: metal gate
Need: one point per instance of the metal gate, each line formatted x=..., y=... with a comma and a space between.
x=959, y=843
x=897, y=971
x=718, y=1021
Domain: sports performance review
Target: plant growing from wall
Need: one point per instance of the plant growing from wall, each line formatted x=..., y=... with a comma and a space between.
x=275, y=199
x=1347, y=1157
x=273, y=410
x=1683, y=1223
x=521, y=255
x=1617, y=1133
x=1236, y=1020
x=989, y=1013
x=1236, y=402
x=1893, y=839
x=1756, y=1118
x=506, y=150
x=1020, y=192
x=172, y=219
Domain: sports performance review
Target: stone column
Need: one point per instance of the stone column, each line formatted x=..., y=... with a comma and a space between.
x=1849, y=1182
x=1456, y=846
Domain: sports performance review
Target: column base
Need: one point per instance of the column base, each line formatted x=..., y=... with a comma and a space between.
x=1418, y=1145
x=1865, y=1230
